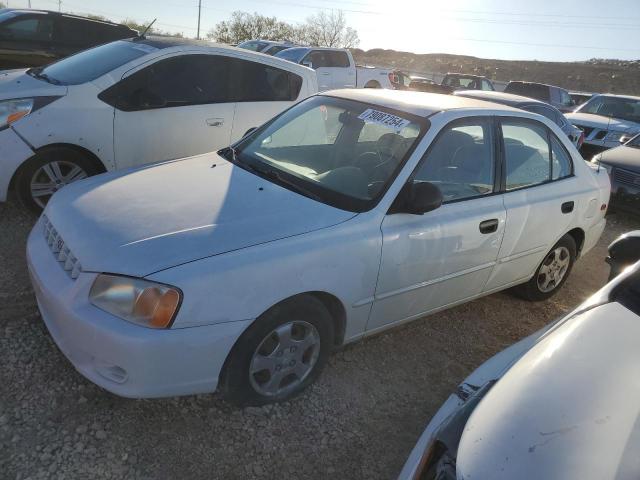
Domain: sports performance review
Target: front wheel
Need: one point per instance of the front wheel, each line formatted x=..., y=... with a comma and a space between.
x=47, y=172
x=552, y=272
x=280, y=354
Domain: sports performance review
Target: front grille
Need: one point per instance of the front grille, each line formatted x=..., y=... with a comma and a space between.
x=61, y=252
x=626, y=177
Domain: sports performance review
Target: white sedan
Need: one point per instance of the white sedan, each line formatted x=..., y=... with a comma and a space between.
x=350, y=213
x=134, y=102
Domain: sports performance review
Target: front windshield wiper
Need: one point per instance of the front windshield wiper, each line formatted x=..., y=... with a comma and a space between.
x=37, y=73
x=231, y=153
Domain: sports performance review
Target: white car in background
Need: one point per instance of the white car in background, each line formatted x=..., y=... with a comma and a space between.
x=134, y=102
x=337, y=69
x=350, y=213
x=560, y=404
x=268, y=47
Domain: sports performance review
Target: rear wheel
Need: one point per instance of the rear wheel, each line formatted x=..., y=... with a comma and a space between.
x=552, y=272
x=372, y=84
x=280, y=354
x=49, y=171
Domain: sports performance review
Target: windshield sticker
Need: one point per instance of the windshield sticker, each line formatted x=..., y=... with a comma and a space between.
x=143, y=47
x=382, y=118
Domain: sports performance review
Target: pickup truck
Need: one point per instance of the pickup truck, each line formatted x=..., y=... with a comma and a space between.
x=455, y=81
x=336, y=68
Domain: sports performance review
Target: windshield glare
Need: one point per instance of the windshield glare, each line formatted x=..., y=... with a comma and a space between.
x=616, y=107
x=347, y=152
x=90, y=64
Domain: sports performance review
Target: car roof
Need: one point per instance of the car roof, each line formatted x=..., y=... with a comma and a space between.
x=523, y=82
x=500, y=97
x=469, y=75
x=20, y=11
x=417, y=103
x=614, y=95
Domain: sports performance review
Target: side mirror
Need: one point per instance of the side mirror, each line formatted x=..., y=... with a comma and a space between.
x=307, y=63
x=419, y=198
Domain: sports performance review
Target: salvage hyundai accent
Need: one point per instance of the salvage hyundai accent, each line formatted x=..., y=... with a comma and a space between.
x=351, y=212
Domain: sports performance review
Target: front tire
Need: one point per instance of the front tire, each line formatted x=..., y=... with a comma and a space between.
x=552, y=272
x=282, y=353
x=47, y=172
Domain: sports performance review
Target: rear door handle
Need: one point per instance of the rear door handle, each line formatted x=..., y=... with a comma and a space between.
x=489, y=226
x=215, y=122
x=567, y=207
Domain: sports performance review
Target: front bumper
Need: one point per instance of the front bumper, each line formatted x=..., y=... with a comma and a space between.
x=13, y=153
x=123, y=358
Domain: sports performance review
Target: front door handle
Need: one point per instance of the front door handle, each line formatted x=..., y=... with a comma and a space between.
x=567, y=207
x=489, y=226
x=215, y=122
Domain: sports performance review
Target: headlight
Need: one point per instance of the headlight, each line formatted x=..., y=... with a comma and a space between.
x=13, y=110
x=142, y=302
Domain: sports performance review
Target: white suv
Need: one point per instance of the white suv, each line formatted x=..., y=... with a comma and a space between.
x=133, y=102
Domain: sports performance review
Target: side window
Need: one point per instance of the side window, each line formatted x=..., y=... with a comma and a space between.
x=565, y=98
x=561, y=164
x=337, y=59
x=317, y=58
x=461, y=160
x=74, y=32
x=28, y=29
x=256, y=82
x=486, y=85
x=176, y=82
x=526, y=151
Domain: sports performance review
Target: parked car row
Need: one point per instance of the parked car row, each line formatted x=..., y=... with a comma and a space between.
x=452, y=82
x=558, y=404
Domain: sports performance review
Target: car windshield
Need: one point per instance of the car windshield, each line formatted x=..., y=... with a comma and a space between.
x=292, y=54
x=616, y=107
x=340, y=152
x=93, y=63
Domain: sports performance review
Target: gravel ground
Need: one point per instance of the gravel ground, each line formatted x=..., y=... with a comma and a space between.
x=360, y=420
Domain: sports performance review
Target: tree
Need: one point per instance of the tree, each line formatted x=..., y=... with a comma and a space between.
x=328, y=29
x=2, y=5
x=247, y=26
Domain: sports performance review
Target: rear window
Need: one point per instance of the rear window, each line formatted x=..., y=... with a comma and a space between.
x=531, y=90
x=28, y=28
x=88, y=65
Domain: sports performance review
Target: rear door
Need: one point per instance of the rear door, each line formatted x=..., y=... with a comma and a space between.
x=542, y=197
x=176, y=107
x=260, y=92
x=445, y=256
x=26, y=41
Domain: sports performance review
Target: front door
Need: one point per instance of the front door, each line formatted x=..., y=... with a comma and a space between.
x=320, y=63
x=176, y=107
x=433, y=260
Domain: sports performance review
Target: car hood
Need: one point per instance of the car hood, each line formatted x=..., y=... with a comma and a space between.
x=145, y=220
x=624, y=157
x=567, y=409
x=602, y=122
x=17, y=84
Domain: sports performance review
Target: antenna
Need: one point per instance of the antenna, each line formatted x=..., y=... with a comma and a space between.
x=142, y=35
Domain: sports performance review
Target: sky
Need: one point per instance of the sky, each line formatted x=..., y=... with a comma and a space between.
x=554, y=30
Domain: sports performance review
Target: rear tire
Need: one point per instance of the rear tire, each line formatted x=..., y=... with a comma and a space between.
x=280, y=354
x=552, y=272
x=47, y=172
x=372, y=84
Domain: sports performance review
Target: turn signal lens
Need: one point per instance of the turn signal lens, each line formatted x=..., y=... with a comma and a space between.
x=145, y=303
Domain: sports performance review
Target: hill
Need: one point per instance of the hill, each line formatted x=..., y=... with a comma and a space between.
x=595, y=75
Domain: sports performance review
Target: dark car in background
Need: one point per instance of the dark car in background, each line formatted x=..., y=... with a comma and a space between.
x=531, y=105
x=556, y=96
x=578, y=98
x=623, y=165
x=31, y=38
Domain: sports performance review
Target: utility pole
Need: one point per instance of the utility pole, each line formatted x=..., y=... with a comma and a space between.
x=199, y=10
x=59, y=5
